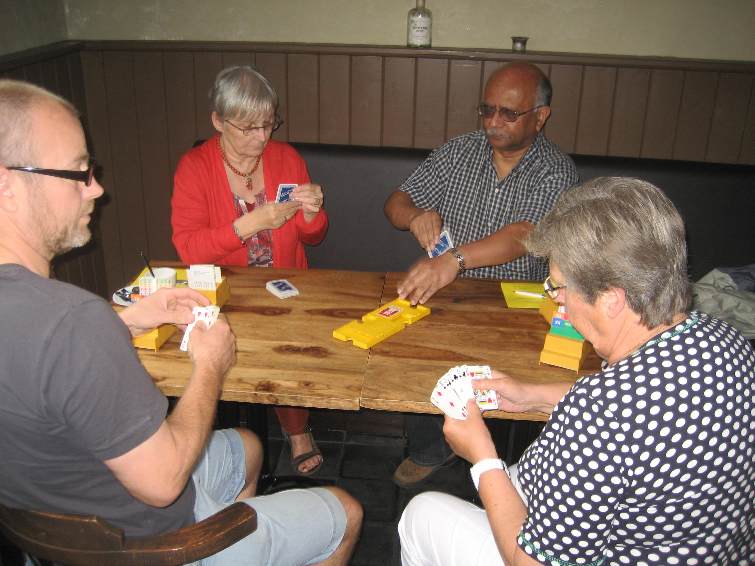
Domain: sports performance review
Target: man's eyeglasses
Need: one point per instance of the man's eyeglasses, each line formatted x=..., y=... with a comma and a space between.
x=254, y=129
x=552, y=289
x=507, y=114
x=85, y=176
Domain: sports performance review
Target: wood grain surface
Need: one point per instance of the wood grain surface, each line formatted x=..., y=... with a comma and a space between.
x=286, y=353
x=469, y=324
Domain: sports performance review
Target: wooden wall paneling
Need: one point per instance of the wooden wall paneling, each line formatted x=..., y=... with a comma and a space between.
x=729, y=114
x=207, y=65
x=233, y=58
x=596, y=107
x=335, y=96
x=69, y=266
x=567, y=92
x=628, y=116
x=106, y=217
x=157, y=176
x=91, y=259
x=664, y=97
x=398, y=101
x=33, y=73
x=303, y=100
x=274, y=67
x=463, y=97
x=431, y=103
x=366, y=100
x=695, y=115
x=747, y=153
x=180, y=108
x=488, y=68
x=126, y=161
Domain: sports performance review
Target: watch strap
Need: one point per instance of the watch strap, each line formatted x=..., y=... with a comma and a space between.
x=485, y=466
x=459, y=259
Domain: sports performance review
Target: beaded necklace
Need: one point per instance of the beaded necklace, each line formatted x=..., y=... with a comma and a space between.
x=247, y=176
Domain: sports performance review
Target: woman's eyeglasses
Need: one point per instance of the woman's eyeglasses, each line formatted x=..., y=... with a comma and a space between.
x=551, y=289
x=85, y=176
x=254, y=129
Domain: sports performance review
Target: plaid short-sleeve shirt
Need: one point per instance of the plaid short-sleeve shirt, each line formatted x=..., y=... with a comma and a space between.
x=459, y=181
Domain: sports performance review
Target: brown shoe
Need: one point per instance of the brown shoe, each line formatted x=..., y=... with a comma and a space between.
x=409, y=474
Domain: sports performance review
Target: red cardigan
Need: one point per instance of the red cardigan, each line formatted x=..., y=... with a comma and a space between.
x=203, y=210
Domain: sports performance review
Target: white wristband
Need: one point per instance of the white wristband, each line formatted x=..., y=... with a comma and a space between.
x=485, y=466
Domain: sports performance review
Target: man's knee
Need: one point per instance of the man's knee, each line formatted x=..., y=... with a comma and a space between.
x=252, y=444
x=351, y=507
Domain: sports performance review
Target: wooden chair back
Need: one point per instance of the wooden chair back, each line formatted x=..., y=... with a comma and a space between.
x=86, y=539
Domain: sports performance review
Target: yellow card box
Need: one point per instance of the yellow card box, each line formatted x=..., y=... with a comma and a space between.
x=155, y=338
x=563, y=352
x=218, y=296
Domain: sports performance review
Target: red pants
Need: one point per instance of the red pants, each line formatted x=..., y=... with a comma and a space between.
x=293, y=420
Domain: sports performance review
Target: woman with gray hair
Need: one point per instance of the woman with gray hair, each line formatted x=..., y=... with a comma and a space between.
x=649, y=461
x=242, y=198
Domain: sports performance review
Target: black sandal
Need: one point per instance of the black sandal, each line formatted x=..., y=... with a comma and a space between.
x=298, y=460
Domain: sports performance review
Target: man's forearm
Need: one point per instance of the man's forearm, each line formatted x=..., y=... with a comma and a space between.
x=502, y=246
x=191, y=420
x=400, y=210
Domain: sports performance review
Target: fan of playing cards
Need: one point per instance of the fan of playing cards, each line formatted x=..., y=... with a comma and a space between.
x=208, y=314
x=456, y=387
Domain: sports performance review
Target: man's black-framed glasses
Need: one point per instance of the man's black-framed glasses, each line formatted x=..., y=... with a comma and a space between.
x=552, y=289
x=85, y=176
x=507, y=114
x=277, y=123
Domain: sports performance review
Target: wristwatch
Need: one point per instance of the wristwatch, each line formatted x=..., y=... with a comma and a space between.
x=459, y=259
x=485, y=466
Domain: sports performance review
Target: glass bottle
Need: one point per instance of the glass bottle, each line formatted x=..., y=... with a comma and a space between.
x=419, y=26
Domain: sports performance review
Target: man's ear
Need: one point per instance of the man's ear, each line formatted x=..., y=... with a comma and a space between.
x=7, y=193
x=543, y=113
x=612, y=302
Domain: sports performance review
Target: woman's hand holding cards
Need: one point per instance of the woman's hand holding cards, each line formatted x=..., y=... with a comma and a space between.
x=311, y=198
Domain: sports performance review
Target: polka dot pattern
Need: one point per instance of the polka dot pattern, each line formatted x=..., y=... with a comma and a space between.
x=652, y=460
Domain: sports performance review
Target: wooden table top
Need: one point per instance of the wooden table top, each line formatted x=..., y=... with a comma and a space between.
x=469, y=324
x=286, y=354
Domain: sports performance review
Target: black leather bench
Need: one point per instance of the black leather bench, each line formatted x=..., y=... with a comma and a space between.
x=716, y=201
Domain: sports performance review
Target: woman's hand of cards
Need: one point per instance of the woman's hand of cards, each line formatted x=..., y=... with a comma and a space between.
x=457, y=386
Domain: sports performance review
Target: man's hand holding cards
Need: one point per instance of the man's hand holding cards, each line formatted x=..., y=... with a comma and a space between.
x=456, y=387
x=208, y=314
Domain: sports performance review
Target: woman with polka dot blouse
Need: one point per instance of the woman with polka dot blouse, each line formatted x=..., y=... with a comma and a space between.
x=651, y=460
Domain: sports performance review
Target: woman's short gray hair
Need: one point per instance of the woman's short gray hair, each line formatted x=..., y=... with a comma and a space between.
x=241, y=92
x=616, y=232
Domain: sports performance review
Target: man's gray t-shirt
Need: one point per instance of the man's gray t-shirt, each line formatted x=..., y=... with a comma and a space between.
x=73, y=394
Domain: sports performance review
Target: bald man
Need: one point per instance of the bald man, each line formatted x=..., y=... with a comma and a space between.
x=488, y=188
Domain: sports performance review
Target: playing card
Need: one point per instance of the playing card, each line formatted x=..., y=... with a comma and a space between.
x=445, y=397
x=208, y=315
x=284, y=192
x=486, y=399
x=281, y=288
x=463, y=385
x=443, y=245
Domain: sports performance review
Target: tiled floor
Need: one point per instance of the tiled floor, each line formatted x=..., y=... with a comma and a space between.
x=361, y=455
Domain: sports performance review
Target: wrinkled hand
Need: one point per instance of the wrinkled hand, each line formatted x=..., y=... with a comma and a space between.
x=426, y=277
x=166, y=306
x=470, y=438
x=426, y=227
x=311, y=198
x=269, y=216
x=213, y=349
x=512, y=396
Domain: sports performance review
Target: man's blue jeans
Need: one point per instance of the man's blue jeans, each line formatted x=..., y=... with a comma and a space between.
x=427, y=445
